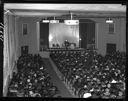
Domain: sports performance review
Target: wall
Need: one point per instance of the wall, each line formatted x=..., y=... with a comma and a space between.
x=31, y=38
x=101, y=35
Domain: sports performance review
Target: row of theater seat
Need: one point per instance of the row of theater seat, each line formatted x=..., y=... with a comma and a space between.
x=90, y=73
x=32, y=79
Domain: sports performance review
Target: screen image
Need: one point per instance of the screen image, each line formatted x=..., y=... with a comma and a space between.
x=60, y=32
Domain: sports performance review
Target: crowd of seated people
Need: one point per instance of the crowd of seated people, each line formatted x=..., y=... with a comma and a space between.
x=32, y=79
x=92, y=74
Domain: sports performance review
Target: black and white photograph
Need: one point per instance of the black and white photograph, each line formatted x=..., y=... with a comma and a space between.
x=64, y=50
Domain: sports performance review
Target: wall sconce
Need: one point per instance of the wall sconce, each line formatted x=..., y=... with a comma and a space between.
x=109, y=20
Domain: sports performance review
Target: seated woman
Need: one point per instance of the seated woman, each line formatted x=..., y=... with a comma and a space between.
x=57, y=45
x=53, y=45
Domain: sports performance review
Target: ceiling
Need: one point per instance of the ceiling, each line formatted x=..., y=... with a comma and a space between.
x=48, y=10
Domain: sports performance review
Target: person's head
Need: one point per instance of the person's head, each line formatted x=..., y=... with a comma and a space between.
x=59, y=96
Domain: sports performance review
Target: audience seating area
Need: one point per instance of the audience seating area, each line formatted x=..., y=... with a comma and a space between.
x=31, y=80
x=89, y=74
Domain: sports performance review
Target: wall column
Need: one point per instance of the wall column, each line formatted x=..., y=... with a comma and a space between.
x=38, y=35
x=16, y=38
x=96, y=34
x=123, y=35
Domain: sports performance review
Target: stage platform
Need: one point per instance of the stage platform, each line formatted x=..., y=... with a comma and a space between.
x=64, y=49
x=70, y=50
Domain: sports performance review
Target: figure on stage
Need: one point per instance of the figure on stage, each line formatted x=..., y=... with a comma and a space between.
x=67, y=44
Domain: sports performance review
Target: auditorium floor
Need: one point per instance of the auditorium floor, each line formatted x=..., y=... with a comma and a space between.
x=55, y=79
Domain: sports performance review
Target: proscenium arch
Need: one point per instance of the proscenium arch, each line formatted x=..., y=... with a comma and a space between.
x=87, y=33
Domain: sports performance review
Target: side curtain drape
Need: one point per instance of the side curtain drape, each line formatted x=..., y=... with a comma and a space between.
x=10, y=48
x=6, y=53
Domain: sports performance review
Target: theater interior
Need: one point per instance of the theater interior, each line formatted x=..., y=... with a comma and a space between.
x=64, y=50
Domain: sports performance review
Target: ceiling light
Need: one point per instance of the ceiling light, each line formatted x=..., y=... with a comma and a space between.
x=71, y=22
x=45, y=21
x=109, y=21
x=54, y=21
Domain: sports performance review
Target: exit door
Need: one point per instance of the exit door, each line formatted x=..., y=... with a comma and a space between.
x=111, y=48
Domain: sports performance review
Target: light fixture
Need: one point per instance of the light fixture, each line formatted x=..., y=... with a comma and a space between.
x=54, y=21
x=45, y=21
x=109, y=21
x=71, y=22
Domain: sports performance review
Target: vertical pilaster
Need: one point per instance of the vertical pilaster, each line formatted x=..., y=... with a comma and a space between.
x=96, y=34
x=38, y=35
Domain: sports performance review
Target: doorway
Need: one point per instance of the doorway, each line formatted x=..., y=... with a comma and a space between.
x=111, y=48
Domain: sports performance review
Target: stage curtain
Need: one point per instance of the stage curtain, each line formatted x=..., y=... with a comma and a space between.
x=87, y=32
x=6, y=53
x=83, y=35
x=44, y=33
x=10, y=47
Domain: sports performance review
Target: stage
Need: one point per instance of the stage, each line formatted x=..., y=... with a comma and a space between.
x=64, y=49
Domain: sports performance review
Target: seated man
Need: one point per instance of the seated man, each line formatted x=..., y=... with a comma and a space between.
x=53, y=45
x=67, y=44
x=57, y=45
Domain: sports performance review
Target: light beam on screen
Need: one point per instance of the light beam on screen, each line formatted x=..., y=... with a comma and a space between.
x=77, y=36
x=50, y=38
